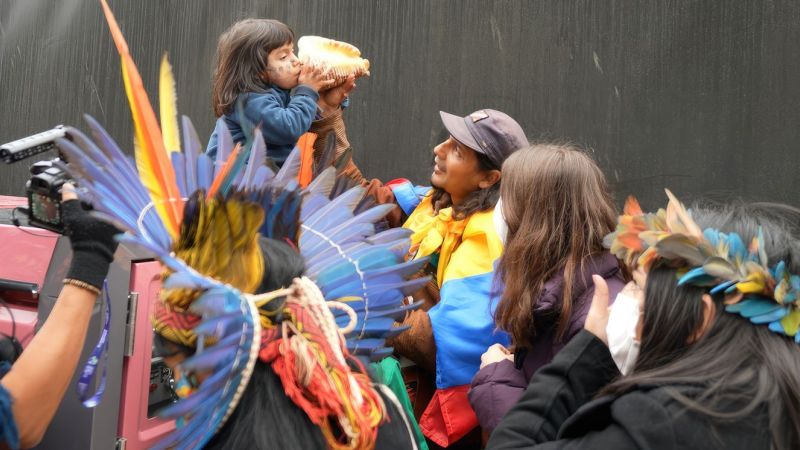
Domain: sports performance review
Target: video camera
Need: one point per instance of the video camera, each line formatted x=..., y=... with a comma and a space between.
x=44, y=188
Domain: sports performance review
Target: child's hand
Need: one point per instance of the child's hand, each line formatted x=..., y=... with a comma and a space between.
x=331, y=99
x=315, y=78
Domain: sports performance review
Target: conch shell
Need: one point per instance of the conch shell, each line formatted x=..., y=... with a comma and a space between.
x=340, y=59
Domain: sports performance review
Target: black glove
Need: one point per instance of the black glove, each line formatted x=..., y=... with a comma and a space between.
x=93, y=244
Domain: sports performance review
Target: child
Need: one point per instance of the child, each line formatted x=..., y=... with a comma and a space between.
x=256, y=65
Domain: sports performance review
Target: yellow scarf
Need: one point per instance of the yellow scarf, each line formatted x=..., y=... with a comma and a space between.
x=434, y=233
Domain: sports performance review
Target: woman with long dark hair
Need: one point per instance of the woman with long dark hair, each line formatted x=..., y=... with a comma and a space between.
x=557, y=209
x=719, y=360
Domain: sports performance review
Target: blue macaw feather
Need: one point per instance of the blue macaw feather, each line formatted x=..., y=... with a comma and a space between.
x=189, y=404
x=258, y=157
x=366, y=257
x=323, y=183
x=374, y=327
x=338, y=274
x=346, y=202
x=390, y=235
x=736, y=247
x=234, y=340
x=113, y=220
x=762, y=251
x=772, y=316
x=692, y=275
x=777, y=327
x=182, y=280
x=369, y=216
x=179, y=166
x=311, y=203
x=262, y=176
x=236, y=174
x=722, y=287
x=753, y=306
x=224, y=144
x=209, y=359
x=290, y=168
x=126, y=169
x=220, y=325
x=374, y=289
x=712, y=236
x=320, y=240
x=205, y=171
x=218, y=300
x=95, y=172
x=380, y=354
x=191, y=148
x=398, y=313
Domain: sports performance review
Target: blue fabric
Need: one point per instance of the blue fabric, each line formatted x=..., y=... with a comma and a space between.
x=283, y=117
x=409, y=196
x=465, y=309
x=8, y=428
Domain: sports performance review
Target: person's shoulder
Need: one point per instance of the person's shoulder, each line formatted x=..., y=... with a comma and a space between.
x=643, y=408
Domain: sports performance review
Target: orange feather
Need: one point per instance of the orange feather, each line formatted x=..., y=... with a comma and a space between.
x=157, y=173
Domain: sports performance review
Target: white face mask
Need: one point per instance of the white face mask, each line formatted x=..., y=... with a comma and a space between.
x=500, y=225
x=621, y=332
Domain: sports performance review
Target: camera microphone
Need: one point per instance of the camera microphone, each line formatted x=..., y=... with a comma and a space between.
x=31, y=145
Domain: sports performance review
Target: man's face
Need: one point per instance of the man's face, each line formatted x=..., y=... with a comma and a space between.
x=456, y=169
x=283, y=67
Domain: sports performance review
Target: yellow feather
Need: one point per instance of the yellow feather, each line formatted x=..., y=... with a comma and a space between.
x=168, y=107
x=143, y=163
x=791, y=323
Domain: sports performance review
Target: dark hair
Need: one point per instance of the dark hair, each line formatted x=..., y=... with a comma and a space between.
x=558, y=209
x=739, y=369
x=241, y=60
x=282, y=264
x=477, y=201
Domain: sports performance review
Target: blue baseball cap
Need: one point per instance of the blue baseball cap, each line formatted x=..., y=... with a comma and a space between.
x=488, y=131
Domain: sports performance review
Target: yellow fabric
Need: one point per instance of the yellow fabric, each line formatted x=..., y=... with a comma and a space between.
x=471, y=244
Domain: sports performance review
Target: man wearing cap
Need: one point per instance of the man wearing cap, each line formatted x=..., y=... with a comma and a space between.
x=452, y=224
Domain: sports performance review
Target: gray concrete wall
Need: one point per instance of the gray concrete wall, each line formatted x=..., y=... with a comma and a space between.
x=697, y=95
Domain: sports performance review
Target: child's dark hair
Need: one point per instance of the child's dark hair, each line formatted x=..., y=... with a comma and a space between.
x=241, y=59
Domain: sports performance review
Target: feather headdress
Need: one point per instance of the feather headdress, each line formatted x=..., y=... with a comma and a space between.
x=202, y=219
x=710, y=258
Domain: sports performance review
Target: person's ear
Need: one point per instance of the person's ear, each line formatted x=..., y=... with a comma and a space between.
x=709, y=311
x=489, y=179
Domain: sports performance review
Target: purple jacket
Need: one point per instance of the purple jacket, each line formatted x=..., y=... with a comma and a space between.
x=497, y=387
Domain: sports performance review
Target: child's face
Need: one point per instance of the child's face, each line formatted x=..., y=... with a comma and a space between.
x=283, y=67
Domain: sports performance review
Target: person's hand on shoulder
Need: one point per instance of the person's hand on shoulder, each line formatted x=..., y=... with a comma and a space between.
x=494, y=354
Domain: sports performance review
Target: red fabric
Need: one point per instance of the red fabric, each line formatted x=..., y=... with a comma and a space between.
x=396, y=181
x=449, y=416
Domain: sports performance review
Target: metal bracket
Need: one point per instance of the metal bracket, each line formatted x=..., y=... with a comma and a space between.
x=130, y=323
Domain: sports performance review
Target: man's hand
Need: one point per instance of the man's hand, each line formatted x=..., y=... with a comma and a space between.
x=332, y=99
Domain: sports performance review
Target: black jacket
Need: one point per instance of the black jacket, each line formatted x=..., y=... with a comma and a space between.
x=557, y=411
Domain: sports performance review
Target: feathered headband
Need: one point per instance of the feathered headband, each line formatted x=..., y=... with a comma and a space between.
x=710, y=258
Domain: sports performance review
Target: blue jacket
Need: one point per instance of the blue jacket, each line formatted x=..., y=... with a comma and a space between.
x=283, y=116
